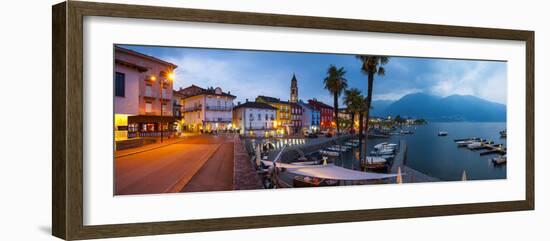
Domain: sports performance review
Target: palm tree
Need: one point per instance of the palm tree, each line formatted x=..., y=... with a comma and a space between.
x=353, y=99
x=335, y=83
x=371, y=65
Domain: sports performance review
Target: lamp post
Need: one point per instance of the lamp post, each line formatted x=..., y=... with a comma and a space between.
x=170, y=77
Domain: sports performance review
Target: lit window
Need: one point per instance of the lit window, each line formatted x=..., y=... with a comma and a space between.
x=148, y=107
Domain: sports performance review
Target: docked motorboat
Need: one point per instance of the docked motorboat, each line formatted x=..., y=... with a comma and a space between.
x=474, y=145
x=387, y=157
x=343, y=147
x=385, y=145
x=301, y=181
x=375, y=163
x=329, y=152
x=352, y=144
x=463, y=143
x=338, y=148
x=502, y=134
x=499, y=160
x=386, y=151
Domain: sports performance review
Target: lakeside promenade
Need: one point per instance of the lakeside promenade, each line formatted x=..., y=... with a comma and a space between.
x=193, y=163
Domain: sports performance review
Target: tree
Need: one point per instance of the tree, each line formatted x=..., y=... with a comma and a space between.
x=371, y=65
x=335, y=83
x=353, y=99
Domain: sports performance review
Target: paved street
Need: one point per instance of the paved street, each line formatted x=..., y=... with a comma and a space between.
x=199, y=163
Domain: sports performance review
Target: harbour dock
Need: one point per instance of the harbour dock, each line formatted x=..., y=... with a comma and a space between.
x=489, y=146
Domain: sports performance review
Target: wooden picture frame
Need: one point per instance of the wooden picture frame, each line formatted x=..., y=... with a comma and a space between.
x=67, y=123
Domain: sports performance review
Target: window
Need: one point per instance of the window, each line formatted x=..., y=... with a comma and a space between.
x=149, y=91
x=163, y=108
x=259, y=116
x=148, y=107
x=251, y=117
x=120, y=79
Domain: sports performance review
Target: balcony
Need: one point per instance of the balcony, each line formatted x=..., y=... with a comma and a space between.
x=192, y=108
x=150, y=96
x=218, y=120
x=219, y=108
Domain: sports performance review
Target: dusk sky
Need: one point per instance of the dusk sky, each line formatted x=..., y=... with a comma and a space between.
x=248, y=74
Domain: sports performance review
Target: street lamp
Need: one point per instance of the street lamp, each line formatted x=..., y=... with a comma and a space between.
x=170, y=77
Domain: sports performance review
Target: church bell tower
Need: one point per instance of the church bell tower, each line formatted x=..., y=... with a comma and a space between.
x=294, y=89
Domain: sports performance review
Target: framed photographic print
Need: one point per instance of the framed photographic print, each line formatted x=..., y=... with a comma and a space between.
x=171, y=120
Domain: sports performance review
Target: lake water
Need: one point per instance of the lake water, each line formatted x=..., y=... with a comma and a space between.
x=439, y=156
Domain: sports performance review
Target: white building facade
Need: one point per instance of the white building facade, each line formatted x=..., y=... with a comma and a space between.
x=255, y=119
x=205, y=110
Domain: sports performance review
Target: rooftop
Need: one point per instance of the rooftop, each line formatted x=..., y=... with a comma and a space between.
x=194, y=90
x=135, y=53
x=255, y=105
x=319, y=104
x=272, y=99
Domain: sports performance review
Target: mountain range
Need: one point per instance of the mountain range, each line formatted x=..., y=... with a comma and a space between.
x=435, y=108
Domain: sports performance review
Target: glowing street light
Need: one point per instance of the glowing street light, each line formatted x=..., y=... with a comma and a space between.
x=171, y=76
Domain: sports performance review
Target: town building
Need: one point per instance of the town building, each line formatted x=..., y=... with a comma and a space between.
x=177, y=110
x=326, y=114
x=283, y=122
x=296, y=115
x=255, y=119
x=206, y=110
x=311, y=118
x=142, y=95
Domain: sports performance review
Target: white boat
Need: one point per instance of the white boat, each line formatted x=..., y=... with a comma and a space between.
x=473, y=145
x=463, y=143
x=343, y=147
x=385, y=145
x=499, y=160
x=375, y=159
x=387, y=156
x=329, y=153
x=352, y=144
x=338, y=148
x=442, y=133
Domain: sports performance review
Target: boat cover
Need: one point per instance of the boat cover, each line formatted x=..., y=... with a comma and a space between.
x=330, y=171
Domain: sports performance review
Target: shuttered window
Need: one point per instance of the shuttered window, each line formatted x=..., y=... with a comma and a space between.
x=119, y=84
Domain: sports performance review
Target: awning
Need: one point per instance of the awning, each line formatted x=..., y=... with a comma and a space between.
x=330, y=171
x=150, y=119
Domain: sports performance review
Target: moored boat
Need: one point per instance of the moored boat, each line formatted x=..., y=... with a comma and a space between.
x=499, y=160
x=502, y=134
x=329, y=152
x=463, y=143
x=474, y=145
x=305, y=181
x=442, y=133
x=375, y=163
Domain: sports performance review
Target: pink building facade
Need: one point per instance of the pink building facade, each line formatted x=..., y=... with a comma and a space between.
x=142, y=95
